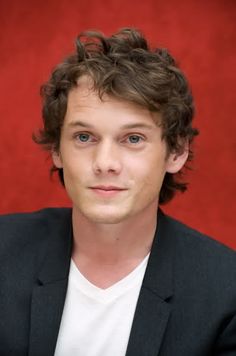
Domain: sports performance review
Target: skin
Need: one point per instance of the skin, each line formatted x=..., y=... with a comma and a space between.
x=114, y=161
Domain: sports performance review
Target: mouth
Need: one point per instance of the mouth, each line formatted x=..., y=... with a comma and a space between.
x=107, y=187
x=107, y=190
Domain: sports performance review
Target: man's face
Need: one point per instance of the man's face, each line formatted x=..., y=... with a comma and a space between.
x=113, y=157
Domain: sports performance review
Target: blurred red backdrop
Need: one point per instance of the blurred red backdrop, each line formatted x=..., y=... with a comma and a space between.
x=36, y=35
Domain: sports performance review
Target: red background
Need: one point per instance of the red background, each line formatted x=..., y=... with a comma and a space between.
x=35, y=35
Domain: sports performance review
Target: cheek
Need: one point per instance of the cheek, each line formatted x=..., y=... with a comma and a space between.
x=149, y=170
x=74, y=169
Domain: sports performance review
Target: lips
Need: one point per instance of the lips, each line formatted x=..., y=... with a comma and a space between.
x=107, y=190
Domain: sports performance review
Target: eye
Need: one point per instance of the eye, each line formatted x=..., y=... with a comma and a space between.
x=83, y=137
x=134, y=139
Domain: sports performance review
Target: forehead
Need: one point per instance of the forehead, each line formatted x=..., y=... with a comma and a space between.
x=84, y=101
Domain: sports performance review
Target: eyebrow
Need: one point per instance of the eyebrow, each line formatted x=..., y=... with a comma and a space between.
x=126, y=126
x=79, y=123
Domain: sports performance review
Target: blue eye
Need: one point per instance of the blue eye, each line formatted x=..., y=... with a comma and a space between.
x=83, y=137
x=134, y=139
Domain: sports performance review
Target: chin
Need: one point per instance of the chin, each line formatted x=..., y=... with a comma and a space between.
x=100, y=217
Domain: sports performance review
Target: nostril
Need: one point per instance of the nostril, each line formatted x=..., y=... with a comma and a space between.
x=107, y=167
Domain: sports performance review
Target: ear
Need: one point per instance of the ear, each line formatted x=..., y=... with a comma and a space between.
x=176, y=161
x=56, y=158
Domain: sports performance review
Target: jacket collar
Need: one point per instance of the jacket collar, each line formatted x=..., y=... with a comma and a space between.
x=153, y=307
x=49, y=293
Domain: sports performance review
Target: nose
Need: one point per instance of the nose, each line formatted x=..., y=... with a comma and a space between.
x=107, y=158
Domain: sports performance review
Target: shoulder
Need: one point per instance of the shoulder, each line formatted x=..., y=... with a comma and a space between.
x=207, y=261
x=30, y=241
x=190, y=238
x=32, y=218
x=35, y=215
x=21, y=228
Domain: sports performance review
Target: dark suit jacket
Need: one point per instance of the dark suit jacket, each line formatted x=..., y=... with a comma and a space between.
x=186, y=307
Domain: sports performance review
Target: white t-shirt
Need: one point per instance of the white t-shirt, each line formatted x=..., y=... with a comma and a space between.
x=95, y=321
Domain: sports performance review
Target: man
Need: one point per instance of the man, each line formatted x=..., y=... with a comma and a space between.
x=114, y=275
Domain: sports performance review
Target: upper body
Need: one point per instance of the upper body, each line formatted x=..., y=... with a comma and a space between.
x=186, y=305
x=118, y=125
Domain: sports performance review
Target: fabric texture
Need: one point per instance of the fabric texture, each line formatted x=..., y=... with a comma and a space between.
x=186, y=305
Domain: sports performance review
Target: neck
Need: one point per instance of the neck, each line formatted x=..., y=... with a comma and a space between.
x=113, y=243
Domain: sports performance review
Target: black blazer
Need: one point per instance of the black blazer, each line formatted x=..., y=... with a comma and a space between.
x=186, y=307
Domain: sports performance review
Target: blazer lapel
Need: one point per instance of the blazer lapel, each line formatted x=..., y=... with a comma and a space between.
x=152, y=311
x=50, y=291
x=153, y=307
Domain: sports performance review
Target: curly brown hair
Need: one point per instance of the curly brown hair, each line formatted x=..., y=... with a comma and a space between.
x=125, y=67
